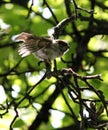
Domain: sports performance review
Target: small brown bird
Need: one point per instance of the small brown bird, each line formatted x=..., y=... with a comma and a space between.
x=45, y=49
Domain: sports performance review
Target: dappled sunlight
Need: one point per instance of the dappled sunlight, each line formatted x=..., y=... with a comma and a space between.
x=16, y=90
x=2, y=94
x=56, y=119
x=53, y=88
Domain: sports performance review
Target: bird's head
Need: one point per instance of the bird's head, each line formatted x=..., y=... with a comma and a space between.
x=63, y=45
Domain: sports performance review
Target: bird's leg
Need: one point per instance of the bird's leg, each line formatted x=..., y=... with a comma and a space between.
x=48, y=66
x=48, y=69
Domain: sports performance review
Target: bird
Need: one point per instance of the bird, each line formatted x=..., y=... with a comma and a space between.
x=45, y=49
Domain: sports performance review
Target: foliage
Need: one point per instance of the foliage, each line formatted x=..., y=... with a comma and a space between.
x=72, y=95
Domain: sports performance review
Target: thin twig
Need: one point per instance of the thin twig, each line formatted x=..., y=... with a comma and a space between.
x=70, y=71
x=54, y=16
x=16, y=115
x=99, y=94
x=79, y=8
x=31, y=89
x=11, y=70
x=80, y=102
x=30, y=9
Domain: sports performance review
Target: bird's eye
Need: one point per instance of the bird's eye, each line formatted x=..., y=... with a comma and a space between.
x=63, y=44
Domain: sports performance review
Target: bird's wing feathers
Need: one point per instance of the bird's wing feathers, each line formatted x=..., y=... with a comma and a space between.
x=26, y=48
x=23, y=51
